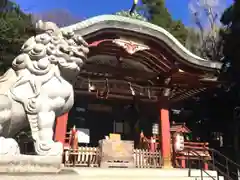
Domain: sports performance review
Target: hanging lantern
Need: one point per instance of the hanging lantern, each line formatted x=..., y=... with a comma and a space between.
x=178, y=142
x=155, y=129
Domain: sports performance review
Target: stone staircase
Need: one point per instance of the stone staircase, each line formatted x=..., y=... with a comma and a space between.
x=115, y=174
x=144, y=174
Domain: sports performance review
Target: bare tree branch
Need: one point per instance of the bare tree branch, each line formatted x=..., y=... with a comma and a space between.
x=209, y=44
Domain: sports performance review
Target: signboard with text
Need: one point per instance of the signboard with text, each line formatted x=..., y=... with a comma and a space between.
x=83, y=135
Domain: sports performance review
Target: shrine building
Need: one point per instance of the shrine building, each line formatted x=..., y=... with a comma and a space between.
x=134, y=73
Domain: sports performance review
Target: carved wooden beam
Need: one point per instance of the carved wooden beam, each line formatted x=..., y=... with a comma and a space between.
x=130, y=46
x=116, y=71
x=152, y=56
x=117, y=96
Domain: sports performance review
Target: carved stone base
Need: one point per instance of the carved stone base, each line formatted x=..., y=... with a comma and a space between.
x=51, y=148
x=30, y=164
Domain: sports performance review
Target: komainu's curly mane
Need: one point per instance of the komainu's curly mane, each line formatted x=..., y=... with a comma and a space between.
x=45, y=55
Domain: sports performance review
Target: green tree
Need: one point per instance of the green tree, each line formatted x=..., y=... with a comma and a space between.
x=231, y=69
x=157, y=13
x=221, y=118
x=61, y=17
x=15, y=28
x=230, y=34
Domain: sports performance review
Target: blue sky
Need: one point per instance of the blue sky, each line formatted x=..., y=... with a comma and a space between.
x=89, y=8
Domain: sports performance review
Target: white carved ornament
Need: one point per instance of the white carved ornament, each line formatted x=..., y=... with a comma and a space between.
x=130, y=46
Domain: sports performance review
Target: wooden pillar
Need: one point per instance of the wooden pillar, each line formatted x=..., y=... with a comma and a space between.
x=61, y=128
x=165, y=138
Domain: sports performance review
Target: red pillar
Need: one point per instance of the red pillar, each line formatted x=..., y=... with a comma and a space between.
x=205, y=166
x=61, y=128
x=183, y=163
x=166, y=138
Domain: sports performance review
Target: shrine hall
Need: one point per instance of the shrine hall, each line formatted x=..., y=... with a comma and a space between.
x=135, y=72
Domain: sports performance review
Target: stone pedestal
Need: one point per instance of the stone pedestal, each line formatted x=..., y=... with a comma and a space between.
x=30, y=164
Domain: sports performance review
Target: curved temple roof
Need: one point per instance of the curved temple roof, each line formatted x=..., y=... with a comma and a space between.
x=132, y=25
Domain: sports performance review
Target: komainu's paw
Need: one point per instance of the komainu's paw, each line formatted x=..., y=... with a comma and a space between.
x=51, y=148
x=9, y=146
x=5, y=113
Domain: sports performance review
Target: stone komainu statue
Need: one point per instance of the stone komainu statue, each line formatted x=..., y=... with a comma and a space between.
x=37, y=88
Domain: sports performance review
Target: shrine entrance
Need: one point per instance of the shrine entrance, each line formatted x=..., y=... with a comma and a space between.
x=100, y=125
x=102, y=117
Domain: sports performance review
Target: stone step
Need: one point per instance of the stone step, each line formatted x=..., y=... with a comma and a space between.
x=77, y=177
x=116, y=174
x=146, y=178
x=143, y=174
x=112, y=172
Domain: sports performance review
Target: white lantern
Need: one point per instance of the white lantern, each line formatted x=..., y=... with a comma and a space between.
x=179, y=142
x=155, y=129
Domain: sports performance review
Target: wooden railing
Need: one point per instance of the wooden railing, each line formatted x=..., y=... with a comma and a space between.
x=200, y=147
x=90, y=157
x=193, y=151
x=147, y=159
x=83, y=157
